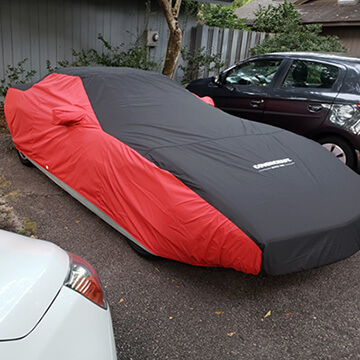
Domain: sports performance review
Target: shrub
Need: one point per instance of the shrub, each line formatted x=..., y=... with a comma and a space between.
x=220, y=16
x=135, y=57
x=197, y=61
x=15, y=75
x=288, y=32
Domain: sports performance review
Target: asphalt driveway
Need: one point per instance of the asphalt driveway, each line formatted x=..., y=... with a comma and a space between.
x=168, y=310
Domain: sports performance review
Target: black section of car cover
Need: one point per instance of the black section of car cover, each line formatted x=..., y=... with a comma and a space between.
x=291, y=196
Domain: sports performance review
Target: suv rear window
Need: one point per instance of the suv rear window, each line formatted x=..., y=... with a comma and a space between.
x=311, y=74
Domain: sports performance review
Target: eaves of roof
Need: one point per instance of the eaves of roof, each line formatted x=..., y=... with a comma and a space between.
x=327, y=12
x=320, y=12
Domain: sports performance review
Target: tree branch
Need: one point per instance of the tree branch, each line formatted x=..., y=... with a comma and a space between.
x=167, y=9
x=174, y=43
x=177, y=8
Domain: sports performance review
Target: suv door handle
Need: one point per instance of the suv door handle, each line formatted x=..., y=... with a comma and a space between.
x=315, y=107
x=256, y=103
x=229, y=87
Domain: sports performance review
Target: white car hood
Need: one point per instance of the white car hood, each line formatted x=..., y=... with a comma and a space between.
x=32, y=273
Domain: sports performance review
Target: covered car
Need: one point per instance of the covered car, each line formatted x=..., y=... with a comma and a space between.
x=182, y=179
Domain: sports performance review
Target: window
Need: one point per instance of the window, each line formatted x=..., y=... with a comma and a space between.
x=309, y=74
x=258, y=72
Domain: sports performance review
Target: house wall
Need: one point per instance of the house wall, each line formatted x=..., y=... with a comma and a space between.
x=43, y=30
x=348, y=35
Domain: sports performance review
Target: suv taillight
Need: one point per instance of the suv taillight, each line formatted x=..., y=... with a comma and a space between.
x=346, y=116
x=84, y=279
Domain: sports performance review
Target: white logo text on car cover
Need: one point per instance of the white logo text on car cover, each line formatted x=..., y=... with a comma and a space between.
x=274, y=164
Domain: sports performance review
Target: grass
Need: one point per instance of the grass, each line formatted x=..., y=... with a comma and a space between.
x=3, y=182
x=8, y=218
x=9, y=221
x=29, y=227
x=12, y=195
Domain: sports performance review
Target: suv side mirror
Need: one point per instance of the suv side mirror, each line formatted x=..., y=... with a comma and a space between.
x=215, y=79
x=219, y=80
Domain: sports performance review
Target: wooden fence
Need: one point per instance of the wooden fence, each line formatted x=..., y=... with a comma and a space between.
x=233, y=45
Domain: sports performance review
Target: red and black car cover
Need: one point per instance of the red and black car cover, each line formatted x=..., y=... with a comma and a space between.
x=187, y=181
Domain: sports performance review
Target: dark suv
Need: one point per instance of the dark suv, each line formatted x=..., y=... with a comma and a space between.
x=316, y=95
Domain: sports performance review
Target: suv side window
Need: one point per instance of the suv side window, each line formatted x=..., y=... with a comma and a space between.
x=311, y=74
x=257, y=72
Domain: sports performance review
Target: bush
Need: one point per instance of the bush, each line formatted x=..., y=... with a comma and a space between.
x=276, y=19
x=306, y=38
x=288, y=32
x=220, y=16
x=15, y=75
x=135, y=57
x=197, y=61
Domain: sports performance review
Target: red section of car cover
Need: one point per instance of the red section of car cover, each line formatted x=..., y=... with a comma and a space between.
x=206, y=99
x=152, y=205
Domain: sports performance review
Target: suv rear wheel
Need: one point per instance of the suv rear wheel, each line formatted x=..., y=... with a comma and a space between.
x=341, y=149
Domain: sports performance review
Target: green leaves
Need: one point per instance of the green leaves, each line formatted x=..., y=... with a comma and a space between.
x=306, y=38
x=135, y=57
x=221, y=16
x=198, y=60
x=276, y=19
x=288, y=32
x=15, y=75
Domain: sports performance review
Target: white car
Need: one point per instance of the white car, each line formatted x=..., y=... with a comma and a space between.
x=51, y=304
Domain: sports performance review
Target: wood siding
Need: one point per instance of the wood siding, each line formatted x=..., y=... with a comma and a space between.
x=349, y=37
x=43, y=30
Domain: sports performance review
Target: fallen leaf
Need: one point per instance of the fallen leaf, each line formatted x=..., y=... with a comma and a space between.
x=219, y=312
x=121, y=300
x=77, y=221
x=267, y=314
x=230, y=334
x=170, y=317
x=66, y=227
x=288, y=314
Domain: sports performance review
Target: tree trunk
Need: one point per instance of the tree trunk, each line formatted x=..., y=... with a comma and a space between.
x=174, y=43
